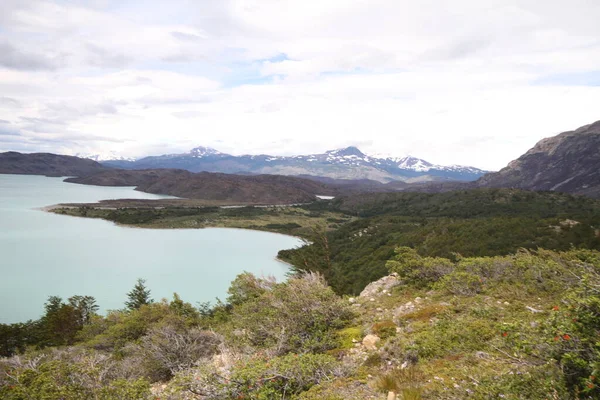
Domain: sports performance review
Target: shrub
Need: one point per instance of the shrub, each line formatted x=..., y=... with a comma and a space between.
x=246, y=287
x=416, y=270
x=290, y=374
x=573, y=332
x=166, y=350
x=460, y=283
x=261, y=378
x=67, y=374
x=302, y=315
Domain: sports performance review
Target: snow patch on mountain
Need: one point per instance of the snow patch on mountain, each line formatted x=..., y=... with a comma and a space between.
x=109, y=156
x=202, y=151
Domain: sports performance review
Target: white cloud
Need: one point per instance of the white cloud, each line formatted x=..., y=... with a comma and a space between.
x=469, y=81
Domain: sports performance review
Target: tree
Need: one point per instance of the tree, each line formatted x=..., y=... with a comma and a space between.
x=60, y=322
x=138, y=296
x=85, y=306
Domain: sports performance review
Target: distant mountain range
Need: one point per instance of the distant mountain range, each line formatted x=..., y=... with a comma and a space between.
x=568, y=162
x=347, y=163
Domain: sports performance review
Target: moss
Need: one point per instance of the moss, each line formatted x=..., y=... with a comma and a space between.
x=348, y=337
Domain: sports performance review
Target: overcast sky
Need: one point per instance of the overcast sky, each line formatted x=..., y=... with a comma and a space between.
x=475, y=82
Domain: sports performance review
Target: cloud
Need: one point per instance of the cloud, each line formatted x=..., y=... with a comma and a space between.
x=470, y=82
x=11, y=57
x=6, y=129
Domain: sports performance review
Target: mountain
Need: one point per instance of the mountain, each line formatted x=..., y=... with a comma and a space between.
x=47, y=164
x=568, y=162
x=259, y=189
x=110, y=156
x=347, y=163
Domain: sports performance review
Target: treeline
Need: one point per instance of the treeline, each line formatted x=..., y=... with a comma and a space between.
x=62, y=322
x=266, y=340
x=482, y=222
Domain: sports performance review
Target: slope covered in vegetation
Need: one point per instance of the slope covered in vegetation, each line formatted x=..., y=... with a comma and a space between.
x=481, y=222
x=521, y=326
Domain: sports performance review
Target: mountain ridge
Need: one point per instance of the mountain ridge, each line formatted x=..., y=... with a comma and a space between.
x=568, y=162
x=47, y=164
x=344, y=163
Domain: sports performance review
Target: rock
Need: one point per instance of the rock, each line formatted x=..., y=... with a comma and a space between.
x=534, y=310
x=377, y=288
x=371, y=299
x=404, y=309
x=352, y=300
x=482, y=355
x=370, y=341
x=418, y=300
x=506, y=303
x=379, y=309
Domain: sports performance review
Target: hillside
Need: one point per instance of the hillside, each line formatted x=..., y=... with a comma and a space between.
x=47, y=164
x=480, y=222
x=519, y=326
x=347, y=163
x=568, y=162
x=261, y=189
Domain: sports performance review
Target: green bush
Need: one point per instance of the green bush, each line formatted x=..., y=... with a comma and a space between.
x=302, y=315
x=290, y=374
x=460, y=283
x=416, y=270
x=573, y=332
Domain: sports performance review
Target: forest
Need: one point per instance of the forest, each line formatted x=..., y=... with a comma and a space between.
x=480, y=222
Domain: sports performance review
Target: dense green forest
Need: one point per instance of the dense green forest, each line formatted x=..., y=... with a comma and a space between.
x=482, y=222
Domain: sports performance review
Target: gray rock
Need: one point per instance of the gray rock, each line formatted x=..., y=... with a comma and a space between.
x=379, y=287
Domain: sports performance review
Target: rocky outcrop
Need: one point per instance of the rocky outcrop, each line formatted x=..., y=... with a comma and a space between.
x=569, y=162
x=380, y=287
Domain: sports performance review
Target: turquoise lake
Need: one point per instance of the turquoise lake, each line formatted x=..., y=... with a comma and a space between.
x=44, y=254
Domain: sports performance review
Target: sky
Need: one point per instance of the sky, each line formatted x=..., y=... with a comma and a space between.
x=471, y=82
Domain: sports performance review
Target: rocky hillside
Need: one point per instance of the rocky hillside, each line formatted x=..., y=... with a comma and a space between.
x=569, y=162
x=348, y=163
x=47, y=164
x=260, y=189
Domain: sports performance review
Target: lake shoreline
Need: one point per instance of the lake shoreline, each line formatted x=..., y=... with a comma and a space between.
x=44, y=255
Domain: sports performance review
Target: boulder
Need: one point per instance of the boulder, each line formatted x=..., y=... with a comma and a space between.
x=370, y=342
x=381, y=286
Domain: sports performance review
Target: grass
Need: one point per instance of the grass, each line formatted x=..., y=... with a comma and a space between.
x=296, y=221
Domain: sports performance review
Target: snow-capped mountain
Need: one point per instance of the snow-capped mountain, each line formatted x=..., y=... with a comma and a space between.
x=345, y=163
x=202, y=151
x=101, y=157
